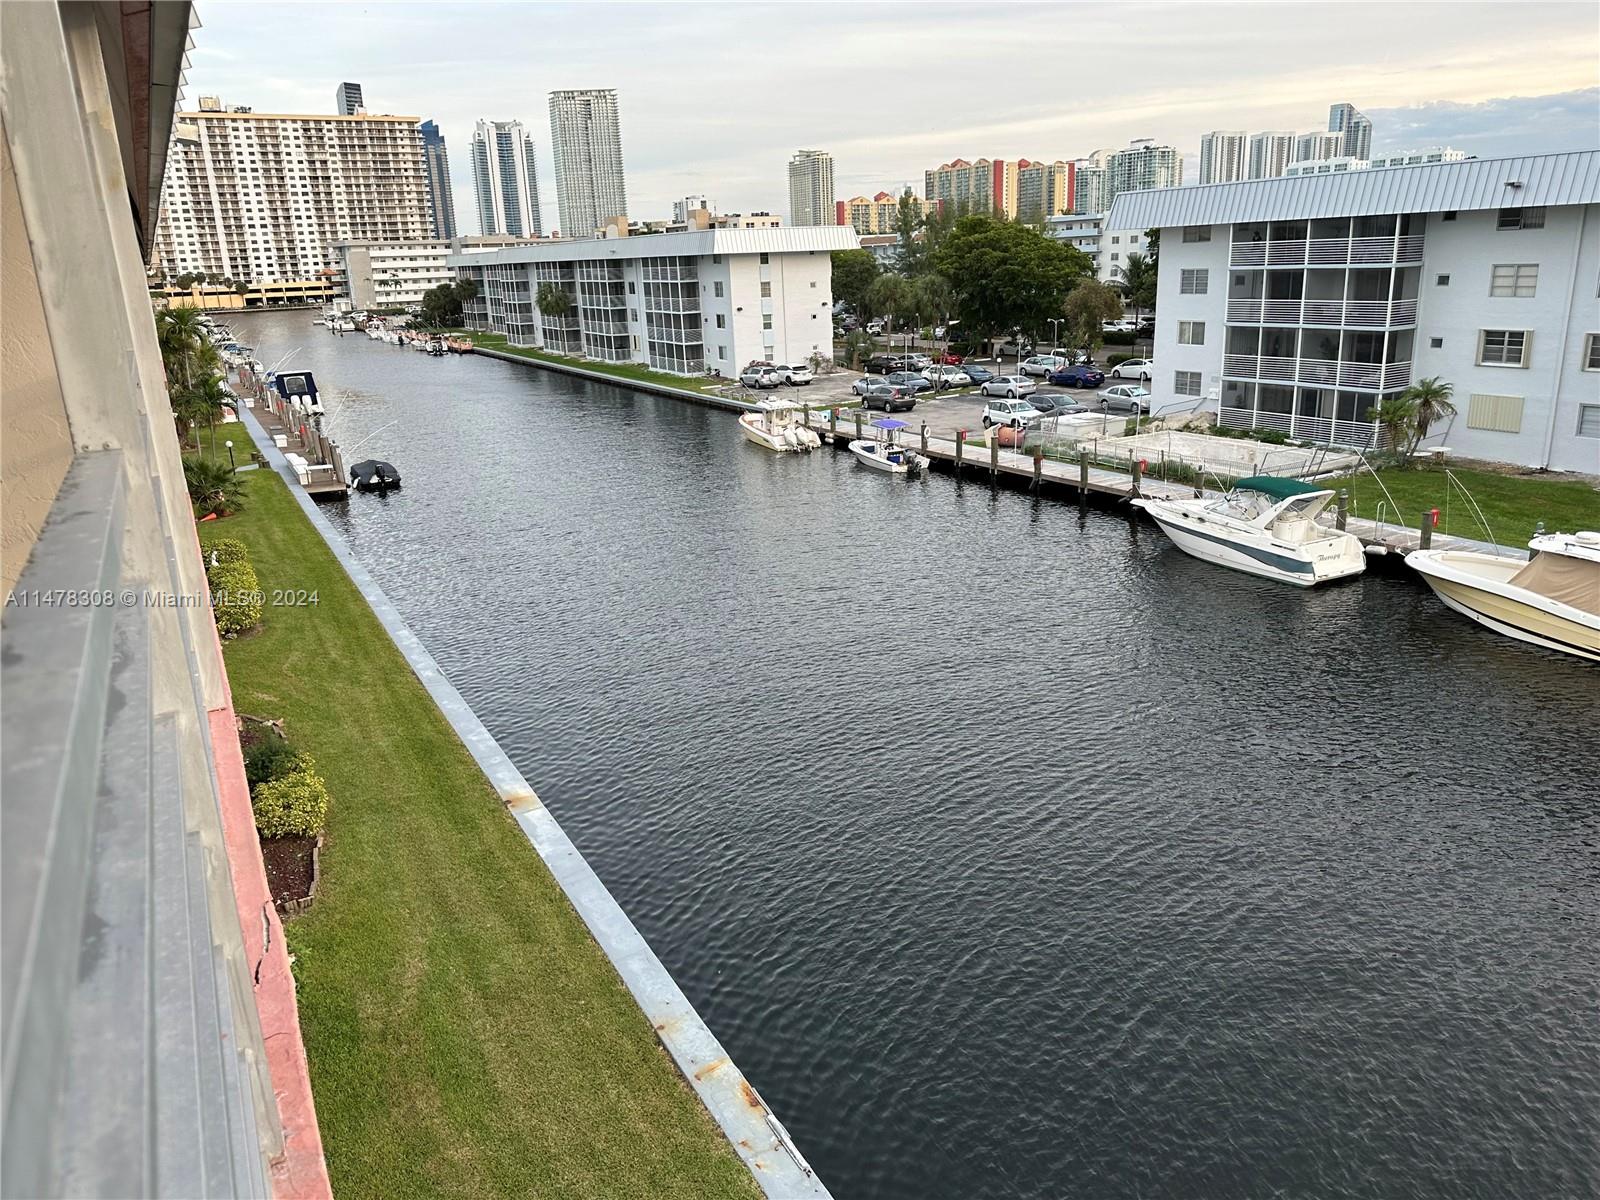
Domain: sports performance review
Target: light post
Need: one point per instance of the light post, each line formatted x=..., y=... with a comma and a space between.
x=1055, y=335
x=229, y=445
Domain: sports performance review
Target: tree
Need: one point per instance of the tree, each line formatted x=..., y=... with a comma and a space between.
x=1397, y=414
x=441, y=306
x=554, y=301
x=199, y=403
x=187, y=354
x=1139, y=277
x=853, y=273
x=1432, y=400
x=888, y=296
x=213, y=487
x=1089, y=305
x=857, y=345
x=1006, y=276
x=931, y=299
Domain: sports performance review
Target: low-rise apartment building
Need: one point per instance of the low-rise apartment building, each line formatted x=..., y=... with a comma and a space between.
x=705, y=300
x=1299, y=303
x=1107, y=248
x=384, y=275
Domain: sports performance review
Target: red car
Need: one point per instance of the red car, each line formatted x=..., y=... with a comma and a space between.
x=949, y=359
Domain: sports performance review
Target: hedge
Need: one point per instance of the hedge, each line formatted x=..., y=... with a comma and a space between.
x=296, y=804
x=236, y=598
x=224, y=551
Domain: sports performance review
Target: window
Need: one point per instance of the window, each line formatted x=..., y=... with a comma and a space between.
x=716, y=289
x=766, y=321
x=1192, y=281
x=1191, y=333
x=766, y=289
x=813, y=283
x=1443, y=281
x=1115, y=257
x=1116, y=241
x=1436, y=343
x=1186, y=383
x=1589, y=420
x=722, y=352
x=1503, y=348
x=1513, y=279
x=1197, y=233
x=765, y=259
x=1497, y=414
x=1449, y=216
x=1591, y=352
x=1520, y=218
x=630, y=287
x=722, y=321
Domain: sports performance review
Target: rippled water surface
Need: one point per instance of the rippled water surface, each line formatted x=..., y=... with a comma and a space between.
x=1010, y=852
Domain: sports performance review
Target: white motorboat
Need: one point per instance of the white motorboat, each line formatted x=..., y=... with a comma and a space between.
x=885, y=453
x=775, y=425
x=1265, y=526
x=1552, y=599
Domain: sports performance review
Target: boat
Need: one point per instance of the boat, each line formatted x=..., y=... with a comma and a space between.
x=1551, y=599
x=1265, y=526
x=773, y=425
x=374, y=475
x=884, y=453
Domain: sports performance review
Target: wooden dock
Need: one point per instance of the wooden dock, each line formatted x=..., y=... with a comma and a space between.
x=325, y=475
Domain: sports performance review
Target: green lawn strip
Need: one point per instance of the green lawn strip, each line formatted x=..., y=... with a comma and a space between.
x=1512, y=504
x=631, y=371
x=466, y=1036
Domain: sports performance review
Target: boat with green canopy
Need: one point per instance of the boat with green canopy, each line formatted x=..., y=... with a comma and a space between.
x=1266, y=525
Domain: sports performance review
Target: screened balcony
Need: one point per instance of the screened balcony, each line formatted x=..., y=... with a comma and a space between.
x=1340, y=241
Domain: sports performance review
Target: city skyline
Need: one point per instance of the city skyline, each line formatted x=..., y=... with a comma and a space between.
x=1472, y=87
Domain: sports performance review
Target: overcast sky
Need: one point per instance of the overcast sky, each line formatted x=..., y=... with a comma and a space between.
x=715, y=98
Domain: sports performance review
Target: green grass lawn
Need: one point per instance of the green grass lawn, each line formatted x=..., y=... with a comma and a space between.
x=633, y=371
x=466, y=1035
x=1512, y=504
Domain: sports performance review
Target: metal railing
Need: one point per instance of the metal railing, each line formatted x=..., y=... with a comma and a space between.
x=1322, y=252
x=1371, y=377
x=1363, y=435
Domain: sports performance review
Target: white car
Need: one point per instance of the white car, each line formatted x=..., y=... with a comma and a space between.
x=1126, y=397
x=796, y=375
x=1042, y=364
x=759, y=377
x=947, y=377
x=1016, y=413
x=1142, y=369
x=875, y=328
x=1009, y=386
x=1117, y=326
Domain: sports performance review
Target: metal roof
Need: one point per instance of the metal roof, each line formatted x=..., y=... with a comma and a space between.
x=1572, y=177
x=785, y=239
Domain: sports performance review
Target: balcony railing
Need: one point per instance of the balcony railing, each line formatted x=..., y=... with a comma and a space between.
x=1362, y=435
x=1360, y=376
x=1357, y=314
x=1327, y=252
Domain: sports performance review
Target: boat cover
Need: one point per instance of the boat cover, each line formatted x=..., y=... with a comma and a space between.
x=1570, y=581
x=1276, y=487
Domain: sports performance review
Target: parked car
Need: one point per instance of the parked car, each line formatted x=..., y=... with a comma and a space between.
x=875, y=328
x=1126, y=397
x=947, y=377
x=760, y=364
x=976, y=373
x=951, y=359
x=882, y=364
x=1015, y=413
x=909, y=380
x=1042, y=364
x=888, y=397
x=1009, y=386
x=1011, y=347
x=917, y=362
x=1077, y=377
x=1055, y=405
x=1142, y=369
x=1118, y=326
x=760, y=377
x=796, y=374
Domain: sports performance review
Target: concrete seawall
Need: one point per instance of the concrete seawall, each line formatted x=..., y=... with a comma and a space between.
x=641, y=385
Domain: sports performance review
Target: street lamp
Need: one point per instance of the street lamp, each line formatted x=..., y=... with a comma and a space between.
x=1055, y=336
x=229, y=445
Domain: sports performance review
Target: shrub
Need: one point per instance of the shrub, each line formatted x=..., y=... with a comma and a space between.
x=224, y=550
x=214, y=489
x=270, y=758
x=236, y=598
x=1113, y=359
x=1119, y=337
x=1273, y=437
x=296, y=804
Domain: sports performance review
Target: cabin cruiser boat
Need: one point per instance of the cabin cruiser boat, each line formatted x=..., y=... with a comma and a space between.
x=1265, y=526
x=774, y=426
x=1551, y=600
x=885, y=453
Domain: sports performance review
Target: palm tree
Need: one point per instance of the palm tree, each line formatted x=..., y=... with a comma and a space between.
x=1139, y=277
x=553, y=301
x=890, y=294
x=213, y=487
x=1397, y=414
x=1432, y=400
x=182, y=340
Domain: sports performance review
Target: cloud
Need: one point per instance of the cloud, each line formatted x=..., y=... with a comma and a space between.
x=715, y=98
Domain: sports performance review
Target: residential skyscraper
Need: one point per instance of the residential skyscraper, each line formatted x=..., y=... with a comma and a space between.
x=877, y=214
x=258, y=197
x=983, y=185
x=586, y=135
x=1141, y=166
x=1224, y=156
x=347, y=100
x=1313, y=147
x=1351, y=122
x=436, y=162
x=1270, y=153
x=1089, y=189
x=1044, y=189
x=811, y=197
x=505, y=176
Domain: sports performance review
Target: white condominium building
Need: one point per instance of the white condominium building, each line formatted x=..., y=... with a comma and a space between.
x=811, y=195
x=1312, y=147
x=259, y=197
x=1298, y=304
x=505, y=176
x=1270, y=153
x=711, y=299
x=586, y=136
x=1354, y=127
x=389, y=275
x=1142, y=165
x=1224, y=156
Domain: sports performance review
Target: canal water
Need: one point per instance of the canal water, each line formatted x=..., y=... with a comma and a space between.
x=1009, y=851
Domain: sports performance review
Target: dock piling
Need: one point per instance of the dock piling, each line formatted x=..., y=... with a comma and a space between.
x=858, y=424
x=1342, y=515
x=961, y=445
x=1136, y=467
x=924, y=437
x=994, y=454
x=1425, y=531
x=1038, y=469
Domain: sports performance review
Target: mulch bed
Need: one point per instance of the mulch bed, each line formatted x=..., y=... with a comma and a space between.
x=289, y=867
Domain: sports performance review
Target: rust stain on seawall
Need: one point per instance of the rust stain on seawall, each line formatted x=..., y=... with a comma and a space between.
x=711, y=1068
x=521, y=800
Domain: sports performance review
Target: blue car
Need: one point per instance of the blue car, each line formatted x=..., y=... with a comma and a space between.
x=1077, y=377
x=978, y=375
